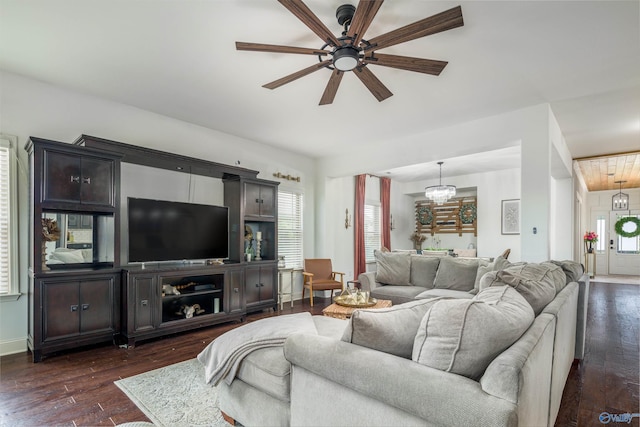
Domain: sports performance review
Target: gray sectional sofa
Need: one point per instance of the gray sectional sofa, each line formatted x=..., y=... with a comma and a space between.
x=509, y=343
x=403, y=276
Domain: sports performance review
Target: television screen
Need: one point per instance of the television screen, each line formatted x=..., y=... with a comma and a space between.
x=173, y=231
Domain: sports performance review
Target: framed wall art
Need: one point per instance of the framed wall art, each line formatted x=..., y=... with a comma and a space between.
x=511, y=216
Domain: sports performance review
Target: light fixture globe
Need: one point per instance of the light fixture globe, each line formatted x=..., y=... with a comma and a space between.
x=345, y=58
x=440, y=193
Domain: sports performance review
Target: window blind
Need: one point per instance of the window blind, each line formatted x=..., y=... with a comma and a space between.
x=290, y=229
x=5, y=218
x=372, y=235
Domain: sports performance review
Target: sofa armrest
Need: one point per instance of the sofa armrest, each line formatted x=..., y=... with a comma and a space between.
x=581, y=324
x=368, y=281
x=414, y=388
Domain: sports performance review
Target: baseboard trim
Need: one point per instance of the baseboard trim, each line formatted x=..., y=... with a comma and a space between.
x=13, y=346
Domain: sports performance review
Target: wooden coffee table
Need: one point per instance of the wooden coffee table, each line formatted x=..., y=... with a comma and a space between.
x=342, y=312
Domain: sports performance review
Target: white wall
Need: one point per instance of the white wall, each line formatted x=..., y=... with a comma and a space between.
x=533, y=128
x=32, y=108
x=491, y=189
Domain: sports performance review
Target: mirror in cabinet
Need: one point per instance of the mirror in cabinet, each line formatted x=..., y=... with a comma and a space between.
x=77, y=240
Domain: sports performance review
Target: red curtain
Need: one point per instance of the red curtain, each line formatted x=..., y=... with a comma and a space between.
x=385, y=202
x=360, y=265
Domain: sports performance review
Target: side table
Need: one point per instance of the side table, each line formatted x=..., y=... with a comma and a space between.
x=281, y=292
x=341, y=312
x=590, y=264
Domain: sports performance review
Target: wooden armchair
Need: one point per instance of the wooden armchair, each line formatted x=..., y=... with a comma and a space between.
x=318, y=275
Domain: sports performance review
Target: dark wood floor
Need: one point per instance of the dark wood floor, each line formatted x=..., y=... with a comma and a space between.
x=76, y=388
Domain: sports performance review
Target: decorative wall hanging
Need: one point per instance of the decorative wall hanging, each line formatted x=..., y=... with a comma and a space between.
x=511, y=216
x=457, y=216
x=287, y=177
x=628, y=226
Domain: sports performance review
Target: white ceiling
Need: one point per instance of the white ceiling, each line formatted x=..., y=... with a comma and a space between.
x=178, y=59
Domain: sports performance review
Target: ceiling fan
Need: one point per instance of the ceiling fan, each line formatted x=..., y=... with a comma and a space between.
x=352, y=52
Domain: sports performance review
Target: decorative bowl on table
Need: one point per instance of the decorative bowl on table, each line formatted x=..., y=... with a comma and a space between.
x=355, y=301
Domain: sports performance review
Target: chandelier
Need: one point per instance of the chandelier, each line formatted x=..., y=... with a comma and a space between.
x=620, y=201
x=440, y=193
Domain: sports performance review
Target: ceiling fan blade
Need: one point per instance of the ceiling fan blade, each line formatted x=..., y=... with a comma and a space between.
x=443, y=21
x=332, y=87
x=297, y=75
x=372, y=83
x=259, y=47
x=365, y=12
x=303, y=13
x=420, y=65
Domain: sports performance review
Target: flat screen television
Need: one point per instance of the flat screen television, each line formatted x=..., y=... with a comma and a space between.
x=174, y=231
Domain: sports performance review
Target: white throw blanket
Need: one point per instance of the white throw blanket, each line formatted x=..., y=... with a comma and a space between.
x=221, y=358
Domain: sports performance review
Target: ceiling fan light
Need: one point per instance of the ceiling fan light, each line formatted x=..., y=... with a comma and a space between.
x=345, y=58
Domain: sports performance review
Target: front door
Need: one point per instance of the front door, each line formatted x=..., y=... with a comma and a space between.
x=624, y=252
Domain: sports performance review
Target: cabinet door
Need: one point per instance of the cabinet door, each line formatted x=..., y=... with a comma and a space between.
x=97, y=182
x=96, y=305
x=61, y=309
x=251, y=199
x=236, y=280
x=267, y=201
x=252, y=285
x=267, y=281
x=61, y=177
x=145, y=291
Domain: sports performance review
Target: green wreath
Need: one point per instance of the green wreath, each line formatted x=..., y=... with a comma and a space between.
x=425, y=216
x=621, y=223
x=468, y=213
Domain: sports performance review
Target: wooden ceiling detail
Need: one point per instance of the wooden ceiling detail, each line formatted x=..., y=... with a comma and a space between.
x=602, y=172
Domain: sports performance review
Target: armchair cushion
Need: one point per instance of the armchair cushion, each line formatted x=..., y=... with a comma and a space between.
x=463, y=336
x=391, y=330
x=393, y=268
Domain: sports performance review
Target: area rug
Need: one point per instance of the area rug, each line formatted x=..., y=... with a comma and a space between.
x=175, y=396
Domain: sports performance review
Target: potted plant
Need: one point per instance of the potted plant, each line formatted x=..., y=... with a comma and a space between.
x=590, y=237
x=417, y=239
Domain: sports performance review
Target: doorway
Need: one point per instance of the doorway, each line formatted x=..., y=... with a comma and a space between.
x=624, y=252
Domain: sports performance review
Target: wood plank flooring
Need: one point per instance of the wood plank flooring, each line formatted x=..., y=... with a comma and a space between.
x=76, y=388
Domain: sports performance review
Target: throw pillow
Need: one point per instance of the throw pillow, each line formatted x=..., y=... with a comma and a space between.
x=393, y=268
x=391, y=330
x=456, y=274
x=500, y=263
x=573, y=270
x=423, y=270
x=535, y=282
x=464, y=336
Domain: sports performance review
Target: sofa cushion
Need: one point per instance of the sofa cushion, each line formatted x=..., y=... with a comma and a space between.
x=500, y=263
x=423, y=270
x=393, y=268
x=537, y=283
x=463, y=336
x=267, y=370
x=390, y=330
x=457, y=274
x=396, y=294
x=448, y=293
x=573, y=270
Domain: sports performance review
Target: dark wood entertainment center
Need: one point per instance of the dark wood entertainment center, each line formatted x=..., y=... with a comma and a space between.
x=97, y=299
